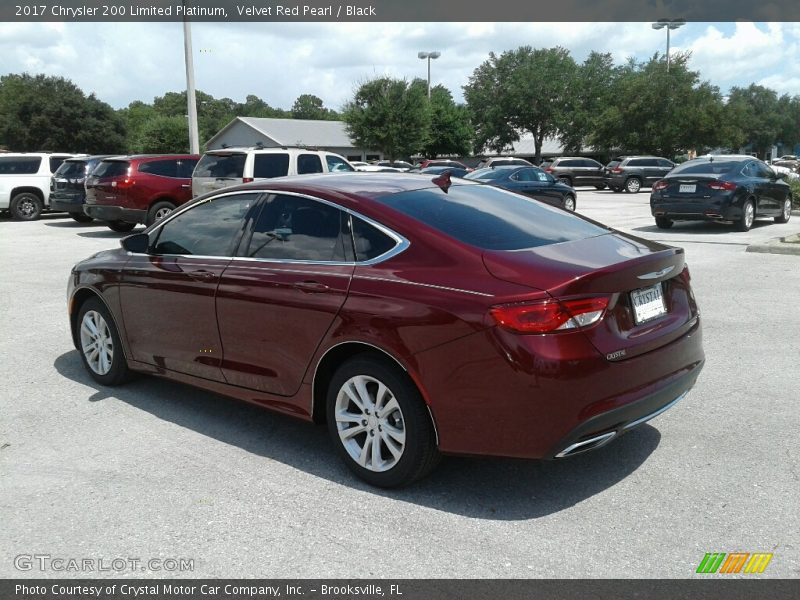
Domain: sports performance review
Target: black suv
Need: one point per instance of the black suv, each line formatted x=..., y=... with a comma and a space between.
x=632, y=173
x=67, y=186
x=575, y=171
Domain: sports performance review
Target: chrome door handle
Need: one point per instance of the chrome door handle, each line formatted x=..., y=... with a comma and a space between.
x=311, y=287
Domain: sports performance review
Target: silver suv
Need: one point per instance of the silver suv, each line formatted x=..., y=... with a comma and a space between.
x=25, y=182
x=233, y=166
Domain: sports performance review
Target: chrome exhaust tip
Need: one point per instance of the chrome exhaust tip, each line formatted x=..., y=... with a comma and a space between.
x=586, y=445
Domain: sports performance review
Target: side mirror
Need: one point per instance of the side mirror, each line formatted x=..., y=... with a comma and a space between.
x=138, y=243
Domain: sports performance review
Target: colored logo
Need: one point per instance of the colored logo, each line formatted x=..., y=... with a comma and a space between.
x=735, y=562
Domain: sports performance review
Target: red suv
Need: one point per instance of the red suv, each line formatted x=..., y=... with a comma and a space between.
x=126, y=190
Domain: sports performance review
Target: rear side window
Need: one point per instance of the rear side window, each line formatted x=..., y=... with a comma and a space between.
x=26, y=165
x=267, y=166
x=111, y=168
x=308, y=163
x=208, y=229
x=588, y=162
x=663, y=162
x=370, y=242
x=635, y=162
x=293, y=228
x=491, y=218
x=717, y=167
x=221, y=165
x=55, y=162
x=336, y=164
x=164, y=168
x=569, y=163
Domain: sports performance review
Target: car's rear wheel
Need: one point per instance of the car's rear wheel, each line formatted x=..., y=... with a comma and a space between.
x=26, y=206
x=745, y=222
x=602, y=186
x=786, y=213
x=615, y=189
x=663, y=223
x=99, y=344
x=565, y=181
x=380, y=424
x=159, y=210
x=120, y=226
x=569, y=202
x=633, y=185
x=81, y=218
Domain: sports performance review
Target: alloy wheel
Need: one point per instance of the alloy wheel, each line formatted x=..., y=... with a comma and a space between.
x=749, y=215
x=633, y=185
x=97, y=344
x=370, y=423
x=569, y=203
x=162, y=212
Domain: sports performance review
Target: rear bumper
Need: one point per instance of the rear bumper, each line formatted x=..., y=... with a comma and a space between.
x=115, y=213
x=66, y=205
x=718, y=208
x=603, y=428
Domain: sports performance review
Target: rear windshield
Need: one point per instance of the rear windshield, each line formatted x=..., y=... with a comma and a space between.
x=221, y=165
x=486, y=174
x=71, y=169
x=111, y=168
x=717, y=167
x=26, y=165
x=490, y=218
x=612, y=164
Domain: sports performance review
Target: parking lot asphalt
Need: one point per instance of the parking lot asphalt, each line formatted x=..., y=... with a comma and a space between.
x=160, y=470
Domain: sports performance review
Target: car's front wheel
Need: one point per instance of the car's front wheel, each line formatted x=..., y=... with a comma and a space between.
x=663, y=223
x=99, y=344
x=380, y=424
x=569, y=202
x=786, y=213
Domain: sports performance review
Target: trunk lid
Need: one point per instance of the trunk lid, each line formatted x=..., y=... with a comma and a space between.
x=624, y=268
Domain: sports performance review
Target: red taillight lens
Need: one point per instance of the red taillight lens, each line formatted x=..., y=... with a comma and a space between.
x=549, y=169
x=247, y=180
x=123, y=183
x=660, y=185
x=549, y=316
x=722, y=185
x=616, y=170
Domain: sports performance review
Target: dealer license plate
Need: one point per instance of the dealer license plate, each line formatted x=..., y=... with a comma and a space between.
x=648, y=303
x=687, y=189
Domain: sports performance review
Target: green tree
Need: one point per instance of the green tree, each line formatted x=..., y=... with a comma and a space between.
x=758, y=115
x=389, y=115
x=255, y=107
x=661, y=112
x=451, y=130
x=162, y=135
x=522, y=90
x=51, y=113
x=308, y=106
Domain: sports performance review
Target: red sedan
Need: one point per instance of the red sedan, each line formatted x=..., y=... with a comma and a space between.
x=416, y=317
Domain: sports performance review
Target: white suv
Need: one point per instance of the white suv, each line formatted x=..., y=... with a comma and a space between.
x=25, y=182
x=233, y=166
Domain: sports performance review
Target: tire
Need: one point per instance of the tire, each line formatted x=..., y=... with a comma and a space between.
x=159, y=210
x=663, y=223
x=120, y=226
x=81, y=218
x=26, y=206
x=565, y=181
x=602, y=186
x=405, y=450
x=748, y=217
x=99, y=344
x=615, y=189
x=633, y=185
x=569, y=203
x=787, y=212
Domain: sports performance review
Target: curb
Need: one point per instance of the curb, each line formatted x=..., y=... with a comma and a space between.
x=779, y=245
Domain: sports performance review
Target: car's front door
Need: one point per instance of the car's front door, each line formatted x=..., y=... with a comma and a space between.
x=279, y=297
x=168, y=295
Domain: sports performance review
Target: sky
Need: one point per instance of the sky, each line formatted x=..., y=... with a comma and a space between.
x=123, y=62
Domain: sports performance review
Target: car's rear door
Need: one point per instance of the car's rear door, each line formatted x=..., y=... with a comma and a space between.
x=168, y=295
x=279, y=297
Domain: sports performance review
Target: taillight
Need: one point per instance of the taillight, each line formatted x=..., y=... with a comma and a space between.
x=549, y=169
x=660, y=185
x=123, y=183
x=549, y=316
x=616, y=170
x=247, y=180
x=722, y=185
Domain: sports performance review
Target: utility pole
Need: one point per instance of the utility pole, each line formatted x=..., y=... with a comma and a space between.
x=194, y=136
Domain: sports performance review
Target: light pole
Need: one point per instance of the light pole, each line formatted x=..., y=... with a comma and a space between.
x=194, y=137
x=429, y=56
x=669, y=24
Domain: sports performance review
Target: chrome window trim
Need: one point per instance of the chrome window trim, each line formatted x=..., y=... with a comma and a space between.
x=428, y=285
x=401, y=243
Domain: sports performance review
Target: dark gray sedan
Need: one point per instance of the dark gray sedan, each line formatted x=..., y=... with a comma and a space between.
x=528, y=181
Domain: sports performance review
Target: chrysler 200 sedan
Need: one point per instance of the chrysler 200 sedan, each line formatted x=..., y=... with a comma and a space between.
x=416, y=317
